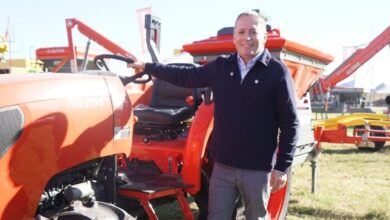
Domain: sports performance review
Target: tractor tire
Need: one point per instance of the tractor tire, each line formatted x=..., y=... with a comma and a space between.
x=277, y=210
x=377, y=145
x=94, y=210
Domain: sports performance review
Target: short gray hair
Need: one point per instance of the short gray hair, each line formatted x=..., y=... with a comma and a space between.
x=260, y=15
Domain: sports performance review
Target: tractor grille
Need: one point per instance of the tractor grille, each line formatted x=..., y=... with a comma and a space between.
x=11, y=124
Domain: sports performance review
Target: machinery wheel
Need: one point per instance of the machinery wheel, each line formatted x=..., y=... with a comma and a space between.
x=277, y=205
x=378, y=144
x=371, y=145
x=91, y=211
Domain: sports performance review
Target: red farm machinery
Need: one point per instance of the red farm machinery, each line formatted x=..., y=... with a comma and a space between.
x=366, y=130
x=80, y=145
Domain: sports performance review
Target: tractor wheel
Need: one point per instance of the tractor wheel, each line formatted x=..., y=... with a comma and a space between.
x=371, y=145
x=277, y=205
x=90, y=211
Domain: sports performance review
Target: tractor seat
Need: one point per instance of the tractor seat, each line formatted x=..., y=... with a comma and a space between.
x=167, y=109
x=167, y=105
x=147, y=114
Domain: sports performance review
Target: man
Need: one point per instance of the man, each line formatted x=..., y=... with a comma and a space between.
x=254, y=100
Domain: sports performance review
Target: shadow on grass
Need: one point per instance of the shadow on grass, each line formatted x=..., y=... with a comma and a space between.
x=361, y=150
x=331, y=214
x=172, y=211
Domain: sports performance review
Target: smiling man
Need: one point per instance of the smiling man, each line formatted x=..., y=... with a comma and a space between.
x=255, y=112
x=250, y=35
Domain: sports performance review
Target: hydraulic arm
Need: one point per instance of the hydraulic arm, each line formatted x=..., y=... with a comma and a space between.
x=92, y=35
x=354, y=62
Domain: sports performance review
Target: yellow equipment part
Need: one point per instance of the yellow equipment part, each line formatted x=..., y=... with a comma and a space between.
x=354, y=120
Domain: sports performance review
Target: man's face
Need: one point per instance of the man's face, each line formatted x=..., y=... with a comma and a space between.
x=249, y=36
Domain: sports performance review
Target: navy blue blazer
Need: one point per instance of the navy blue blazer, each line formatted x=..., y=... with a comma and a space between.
x=248, y=113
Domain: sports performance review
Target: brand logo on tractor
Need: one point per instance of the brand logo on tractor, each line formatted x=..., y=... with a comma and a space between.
x=86, y=103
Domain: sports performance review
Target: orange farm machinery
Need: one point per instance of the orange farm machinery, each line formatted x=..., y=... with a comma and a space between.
x=82, y=144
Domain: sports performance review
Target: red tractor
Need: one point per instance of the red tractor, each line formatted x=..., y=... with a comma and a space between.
x=71, y=147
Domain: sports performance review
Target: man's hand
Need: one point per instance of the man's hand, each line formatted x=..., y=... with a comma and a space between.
x=138, y=66
x=278, y=180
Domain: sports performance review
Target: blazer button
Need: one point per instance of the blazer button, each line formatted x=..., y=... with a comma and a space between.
x=231, y=74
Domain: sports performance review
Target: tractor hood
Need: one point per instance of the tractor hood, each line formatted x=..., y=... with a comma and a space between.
x=23, y=88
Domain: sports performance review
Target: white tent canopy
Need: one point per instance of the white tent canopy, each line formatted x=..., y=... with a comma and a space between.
x=383, y=88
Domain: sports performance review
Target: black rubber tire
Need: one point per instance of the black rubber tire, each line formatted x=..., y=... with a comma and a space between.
x=378, y=145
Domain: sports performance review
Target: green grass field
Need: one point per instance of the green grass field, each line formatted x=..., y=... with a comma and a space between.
x=351, y=184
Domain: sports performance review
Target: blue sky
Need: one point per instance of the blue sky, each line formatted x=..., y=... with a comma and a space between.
x=327, y=25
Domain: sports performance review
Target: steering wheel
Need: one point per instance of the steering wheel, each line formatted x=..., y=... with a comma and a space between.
x=99, y=61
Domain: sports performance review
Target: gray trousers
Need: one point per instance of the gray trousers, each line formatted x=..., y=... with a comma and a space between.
x=228, y=183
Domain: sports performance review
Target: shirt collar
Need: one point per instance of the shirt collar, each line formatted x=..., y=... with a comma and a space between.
x=250, y=63
x=263, y=57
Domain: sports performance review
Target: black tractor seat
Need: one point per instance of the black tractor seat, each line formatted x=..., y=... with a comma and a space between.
x=166, y=115
x=162, y=116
